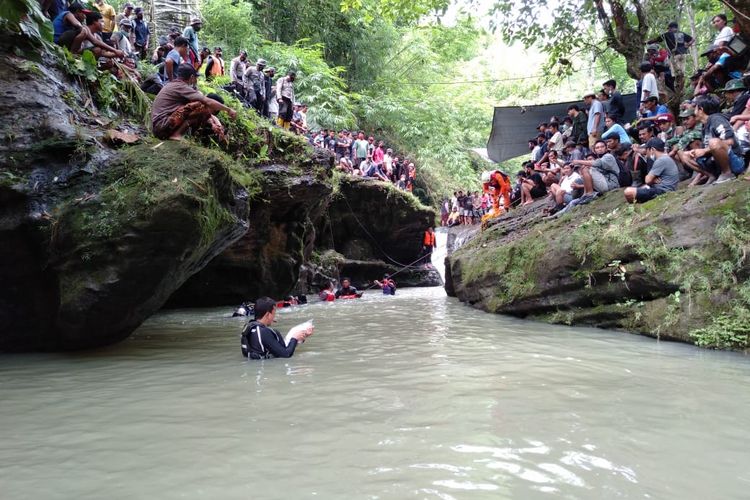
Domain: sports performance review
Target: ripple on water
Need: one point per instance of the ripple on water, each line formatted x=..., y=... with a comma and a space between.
x=410, y=396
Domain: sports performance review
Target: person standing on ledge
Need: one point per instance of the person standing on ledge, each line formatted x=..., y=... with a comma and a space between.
x=260, y=341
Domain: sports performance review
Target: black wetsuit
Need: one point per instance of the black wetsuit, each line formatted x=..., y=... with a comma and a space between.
x=262, y=342
x=350, y=290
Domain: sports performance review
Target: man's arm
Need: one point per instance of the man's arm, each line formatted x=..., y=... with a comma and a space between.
x=216, y=106
x=278, y=349
x=108, y=48
x=169, y=69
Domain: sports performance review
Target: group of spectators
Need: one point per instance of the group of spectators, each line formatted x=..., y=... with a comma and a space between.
x=592, y=150
x=362, y=156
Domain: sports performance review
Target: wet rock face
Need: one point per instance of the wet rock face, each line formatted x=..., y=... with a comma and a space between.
x=665, y=268
x=267, y=259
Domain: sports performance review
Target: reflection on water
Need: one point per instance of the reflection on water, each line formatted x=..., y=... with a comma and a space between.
x=412, y=396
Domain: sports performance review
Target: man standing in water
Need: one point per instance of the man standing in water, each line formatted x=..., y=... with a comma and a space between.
x=260, y=341
x=346, y=289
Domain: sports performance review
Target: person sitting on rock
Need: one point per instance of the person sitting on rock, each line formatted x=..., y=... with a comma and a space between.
x=454, y=217
x=564, y=191
x=347, y=290
x=663, y=176
x=71, y=33
x=599, y=175
x=387, y=285
x=260, y=341
x=83, y=41
x=179, y=106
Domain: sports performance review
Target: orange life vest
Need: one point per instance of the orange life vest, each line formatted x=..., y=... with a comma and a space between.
x=429, y=239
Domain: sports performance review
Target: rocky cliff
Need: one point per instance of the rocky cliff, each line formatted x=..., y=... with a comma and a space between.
x=674, y=268
x=97, y=234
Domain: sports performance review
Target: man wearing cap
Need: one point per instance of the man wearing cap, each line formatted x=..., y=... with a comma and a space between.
x=190, y=33
x=142, y=33
x=616, y=107
x=108, y=14
x=214, y=64
x=179, y=106
x=595, y=124
x=665, y=122
x=127, y=10
x=721, y=152
x=120, y=39
x=599, y=175
x=736, y=96
x=237, y=68
x=663, y=176
x=724, y=67
x=650, y=109
x=285, y=98
x=677, y=147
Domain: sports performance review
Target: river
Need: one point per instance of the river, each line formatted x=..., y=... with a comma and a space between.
x=412, y=396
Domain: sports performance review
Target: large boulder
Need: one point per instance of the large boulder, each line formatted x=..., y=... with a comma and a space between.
x=675, y=268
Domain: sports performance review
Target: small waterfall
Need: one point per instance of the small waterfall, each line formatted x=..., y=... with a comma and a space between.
x=438, y=255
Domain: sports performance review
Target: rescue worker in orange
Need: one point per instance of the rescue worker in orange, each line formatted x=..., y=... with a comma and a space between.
x=215, y=64
x=497, y=184
x=428, y=245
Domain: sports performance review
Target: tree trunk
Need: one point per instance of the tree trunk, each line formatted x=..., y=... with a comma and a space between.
x=740, y=10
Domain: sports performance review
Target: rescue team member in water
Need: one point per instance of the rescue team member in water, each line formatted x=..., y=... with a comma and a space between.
x=388, y=285
x=260, y=341
x=347, y=290
x=326, y=294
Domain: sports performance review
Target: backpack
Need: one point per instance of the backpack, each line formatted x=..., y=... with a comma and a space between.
x=624, y=177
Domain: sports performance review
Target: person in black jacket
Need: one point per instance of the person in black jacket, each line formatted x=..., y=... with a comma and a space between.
x=260, y=341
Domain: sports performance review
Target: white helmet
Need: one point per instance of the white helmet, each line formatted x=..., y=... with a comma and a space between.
x=486, y=175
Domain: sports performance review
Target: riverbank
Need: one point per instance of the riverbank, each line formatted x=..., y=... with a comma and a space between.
x=675, y=268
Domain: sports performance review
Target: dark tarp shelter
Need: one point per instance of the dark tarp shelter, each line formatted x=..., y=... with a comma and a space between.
x=513, y=126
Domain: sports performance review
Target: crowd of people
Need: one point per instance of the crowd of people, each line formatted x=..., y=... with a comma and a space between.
x=592, y=150
x=361, y=155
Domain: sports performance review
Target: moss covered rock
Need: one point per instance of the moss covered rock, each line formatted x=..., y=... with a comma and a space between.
x=670, y=268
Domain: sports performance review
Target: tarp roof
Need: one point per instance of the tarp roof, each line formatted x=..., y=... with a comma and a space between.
x=513, y=126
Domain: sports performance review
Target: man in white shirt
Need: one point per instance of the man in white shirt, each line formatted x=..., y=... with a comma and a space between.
x=719, y=22
x=563, y=192
x=648, y=82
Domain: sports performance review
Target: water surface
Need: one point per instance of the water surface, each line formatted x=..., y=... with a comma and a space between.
x=412, y=396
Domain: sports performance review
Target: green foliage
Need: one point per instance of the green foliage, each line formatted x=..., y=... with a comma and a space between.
x=726, y=331
x=25, y=17
x=402, y=11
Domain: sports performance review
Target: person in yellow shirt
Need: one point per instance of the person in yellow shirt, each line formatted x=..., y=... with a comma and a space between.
x=108, y=15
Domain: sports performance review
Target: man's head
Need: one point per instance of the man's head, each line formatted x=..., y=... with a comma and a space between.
x=217, y=51
x=554, y=127
x=651, y=102
x=371, y=139
x=573, y=110
x=652, y=49
x=126, y=24
x=567, y=169
x=139, y=13
x=645, y=133
x=541, y=138
x=613, y=142
x=570, y=146
x=655, y=147
x=719, y=21
x=608, y=121
x=345, y=283
x=196, y=23
x=673, y=26
x=127, y=8
x=542, y=127
x=181, y=45
x=600, y=148
x=705, y=106
x=292, y=76
x=186, y=73
x=665, y=121
x=94, y=22
x=609, y=86
x=552, y=155
x=733, y=89
x=688, y=118
x=645, y=67
x=589, y=97
x=265, y=310
x=271, y=72
x=78, y=11
x=602, y=95
x=261, y=64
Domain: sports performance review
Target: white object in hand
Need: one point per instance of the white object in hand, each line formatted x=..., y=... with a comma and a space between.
x=306, y=327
